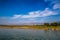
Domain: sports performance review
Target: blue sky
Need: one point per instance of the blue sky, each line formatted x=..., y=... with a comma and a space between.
x=18, y=12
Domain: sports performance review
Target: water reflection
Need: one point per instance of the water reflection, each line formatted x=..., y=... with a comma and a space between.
x=29, y=34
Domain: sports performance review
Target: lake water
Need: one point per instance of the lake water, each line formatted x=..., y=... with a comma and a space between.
x=28, y=34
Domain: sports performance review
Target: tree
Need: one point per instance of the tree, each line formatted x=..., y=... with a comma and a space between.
x=46, y=24
x=54, y=24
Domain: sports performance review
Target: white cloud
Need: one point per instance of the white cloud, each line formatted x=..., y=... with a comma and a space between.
x=56, y=6
x=55, y=2
x=16, y=16
x=28, y=21
x=34, y=14
x=31, y=14
x=47, y=12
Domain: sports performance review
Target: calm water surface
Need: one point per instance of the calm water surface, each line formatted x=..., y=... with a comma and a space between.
x=28, y=34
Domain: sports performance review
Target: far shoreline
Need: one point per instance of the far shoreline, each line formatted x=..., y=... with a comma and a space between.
x=33, y=27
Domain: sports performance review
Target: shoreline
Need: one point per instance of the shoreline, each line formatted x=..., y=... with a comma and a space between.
x=36, y=27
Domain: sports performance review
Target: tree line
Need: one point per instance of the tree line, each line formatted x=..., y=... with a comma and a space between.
x=52, y=24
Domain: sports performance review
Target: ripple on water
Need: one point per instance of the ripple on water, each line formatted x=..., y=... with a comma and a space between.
x=28, y=34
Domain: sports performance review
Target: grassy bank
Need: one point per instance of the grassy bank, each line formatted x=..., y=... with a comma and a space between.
x=33, y=27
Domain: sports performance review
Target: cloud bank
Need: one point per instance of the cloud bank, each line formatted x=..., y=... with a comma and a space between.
x=34, y=14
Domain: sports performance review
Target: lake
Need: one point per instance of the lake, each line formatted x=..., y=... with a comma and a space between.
x=28, y=34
